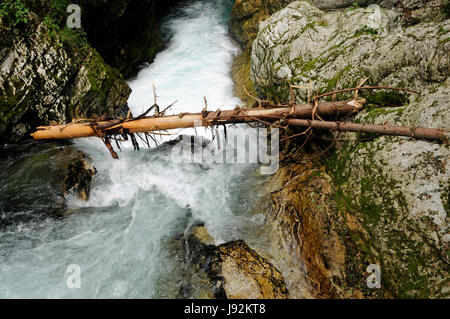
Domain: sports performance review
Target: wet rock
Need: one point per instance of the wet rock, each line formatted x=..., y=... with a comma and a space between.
x=387, y=199
x=201, y=235
x=46, y=77
x=244, y=23
x=198, y=245
x=38, y=179
x=317, y=234
x=232, y=270
x=240, y=273
x=80, y=174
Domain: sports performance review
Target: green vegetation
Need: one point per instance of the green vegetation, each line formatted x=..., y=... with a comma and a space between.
x=14, y=12
x=386, y=98
x=354, y=6
x=441, y=30
x=366, y=30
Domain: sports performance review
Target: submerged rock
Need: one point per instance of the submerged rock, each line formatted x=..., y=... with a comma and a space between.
x=37, y=180
x=79, y=177
x=198, y=245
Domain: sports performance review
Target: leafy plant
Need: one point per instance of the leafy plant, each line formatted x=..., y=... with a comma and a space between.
x=366, y=30
x=58, y=10
x=14, y=12
x=354, y=6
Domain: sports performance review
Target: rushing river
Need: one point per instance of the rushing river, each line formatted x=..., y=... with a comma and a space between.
x=125, y=238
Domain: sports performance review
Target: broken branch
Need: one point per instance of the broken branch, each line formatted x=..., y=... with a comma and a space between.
x=418, y=132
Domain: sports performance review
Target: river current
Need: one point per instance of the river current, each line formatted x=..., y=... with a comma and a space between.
x=124, y=240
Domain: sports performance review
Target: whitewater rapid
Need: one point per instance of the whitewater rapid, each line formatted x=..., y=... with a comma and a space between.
x=124, y=238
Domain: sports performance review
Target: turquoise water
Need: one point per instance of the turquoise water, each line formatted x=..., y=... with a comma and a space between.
x=125, y=239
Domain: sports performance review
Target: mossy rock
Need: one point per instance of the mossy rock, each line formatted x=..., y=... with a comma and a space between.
x=53, y=75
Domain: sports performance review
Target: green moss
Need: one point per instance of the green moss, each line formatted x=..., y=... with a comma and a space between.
x=332, y=83
x=384, y=211
x=303, y=67
x=97, y=70
x=441, y=30
x=383, y=98
x=445, y=196
x=309, y=25
x=366, y=30
x=354, y=6
x=373, y=112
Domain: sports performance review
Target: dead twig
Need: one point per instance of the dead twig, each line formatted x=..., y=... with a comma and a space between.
x=366, y=88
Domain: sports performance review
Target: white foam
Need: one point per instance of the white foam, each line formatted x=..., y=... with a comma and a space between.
x=123, y=237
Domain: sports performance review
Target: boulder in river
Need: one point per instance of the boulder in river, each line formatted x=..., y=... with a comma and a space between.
x=243, y=274
x=80, y=173
x=233, y=270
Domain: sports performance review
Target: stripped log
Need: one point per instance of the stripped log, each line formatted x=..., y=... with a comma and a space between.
x=417, y=132
x=335, y=110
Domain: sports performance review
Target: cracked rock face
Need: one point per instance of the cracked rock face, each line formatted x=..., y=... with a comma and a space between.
x=232, y=270
x=337, y=4
x=42, y=80
x=243, y=274
x=337, y=49
x=396, y=188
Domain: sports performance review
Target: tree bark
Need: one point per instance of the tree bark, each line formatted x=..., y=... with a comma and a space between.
x=333, y=110
x=296, y=115
x=418, y=132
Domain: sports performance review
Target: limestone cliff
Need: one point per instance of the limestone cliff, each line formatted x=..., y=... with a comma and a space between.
x=244, y=23
x=50, y=73
x=384, y=201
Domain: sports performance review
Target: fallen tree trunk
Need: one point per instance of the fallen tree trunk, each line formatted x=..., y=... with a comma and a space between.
x=280, y=116
x=418, y=132
x=335, y=110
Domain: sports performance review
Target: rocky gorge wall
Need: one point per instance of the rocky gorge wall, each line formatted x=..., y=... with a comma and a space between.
x=50, y=73
x=383, y=201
